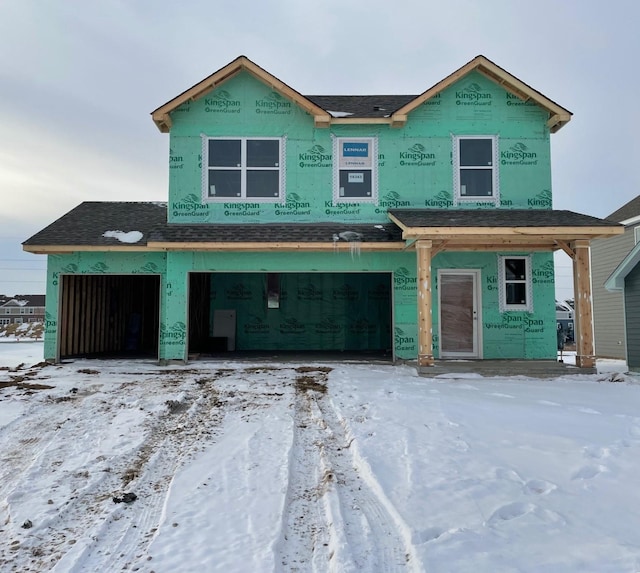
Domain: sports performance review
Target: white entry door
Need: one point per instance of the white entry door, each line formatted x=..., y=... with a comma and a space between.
x=459, y=318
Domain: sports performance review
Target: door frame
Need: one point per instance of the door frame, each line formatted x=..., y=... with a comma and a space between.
x=476, y=274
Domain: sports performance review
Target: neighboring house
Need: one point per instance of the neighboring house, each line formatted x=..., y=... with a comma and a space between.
x=22, y=308
x=615, y=290
x=608, y=305
x=564, y=321
x=417, y=227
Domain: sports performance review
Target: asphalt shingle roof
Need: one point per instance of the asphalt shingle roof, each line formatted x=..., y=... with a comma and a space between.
x=495, y=218
x=363, y=105
x=627, y=211
x=86, y=224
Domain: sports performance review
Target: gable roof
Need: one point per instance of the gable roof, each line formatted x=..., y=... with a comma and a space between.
x=558, y=115
x=341, y=109
x=161, y=115
x=629, y=211
x=616, y=279
x=31, y=300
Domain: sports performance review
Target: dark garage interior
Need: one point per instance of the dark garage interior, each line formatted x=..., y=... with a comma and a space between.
x=104, y=316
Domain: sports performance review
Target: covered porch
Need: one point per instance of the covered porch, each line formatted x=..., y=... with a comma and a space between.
x=432, y=231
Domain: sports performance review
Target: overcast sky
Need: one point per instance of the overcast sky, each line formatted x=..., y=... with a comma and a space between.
x=79, y=79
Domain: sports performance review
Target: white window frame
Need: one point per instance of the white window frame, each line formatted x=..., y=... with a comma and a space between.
x=17, y=320
x=5, y=321
x=341, y=163
x=460, y=197
x=636, y=234
x=527, y=281
x=242, y=198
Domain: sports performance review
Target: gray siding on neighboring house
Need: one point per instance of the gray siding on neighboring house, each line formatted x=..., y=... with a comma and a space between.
x=632, y=305
x=608, y=307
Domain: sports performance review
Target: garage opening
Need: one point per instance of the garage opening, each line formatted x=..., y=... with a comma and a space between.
x=104, y=316
x=328, y=313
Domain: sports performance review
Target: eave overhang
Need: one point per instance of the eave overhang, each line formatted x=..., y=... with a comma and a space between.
x=219, y=246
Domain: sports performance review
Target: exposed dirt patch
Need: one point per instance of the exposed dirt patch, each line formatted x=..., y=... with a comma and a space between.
x=306, y=383
x=20, y=385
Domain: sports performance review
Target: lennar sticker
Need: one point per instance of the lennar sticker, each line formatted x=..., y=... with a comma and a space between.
x=353, y=149
x=356, y=177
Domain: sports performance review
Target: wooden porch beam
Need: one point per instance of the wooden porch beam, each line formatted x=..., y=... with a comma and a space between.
x=585, y=357
x=425, y=304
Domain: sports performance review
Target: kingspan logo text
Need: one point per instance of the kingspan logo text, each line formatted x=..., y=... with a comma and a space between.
x=315, y=157
x=518, y=154
x=293, y=204
x=472, y=96
x=273, y=104
x=539, y=202
x=221, y=103
x=392, y=201
x=416, y=155
x=180, y=206
x=440, y=201
x=242, y=206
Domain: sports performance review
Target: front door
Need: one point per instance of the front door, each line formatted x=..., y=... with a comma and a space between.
x=459, y=307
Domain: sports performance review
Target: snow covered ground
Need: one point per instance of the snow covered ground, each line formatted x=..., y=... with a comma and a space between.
x=283, y=467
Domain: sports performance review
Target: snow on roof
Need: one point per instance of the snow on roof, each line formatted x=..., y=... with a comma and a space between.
x=130, y=237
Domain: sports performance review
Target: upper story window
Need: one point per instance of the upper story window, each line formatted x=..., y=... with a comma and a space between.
x=243, y=169
x=355, y=170
x=636, y=234
x=515, y=283
x=475, y=168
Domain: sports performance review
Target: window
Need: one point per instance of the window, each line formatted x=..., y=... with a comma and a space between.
x=515, y=283
x=636, y=234
x=17, y=320
x=4, y=321
x=475, y=168
x=23, y=310
x=355, y=170
x=243, y=169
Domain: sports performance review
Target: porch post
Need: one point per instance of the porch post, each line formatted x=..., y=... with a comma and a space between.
x=585, y=357
x=425, y=306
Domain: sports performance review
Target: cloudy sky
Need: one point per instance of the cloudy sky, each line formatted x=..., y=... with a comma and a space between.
x=79, y=79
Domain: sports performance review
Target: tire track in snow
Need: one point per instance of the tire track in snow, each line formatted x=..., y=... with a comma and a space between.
x=304, y=539
x=124, y=531
x=334, y=498
x=83, y=488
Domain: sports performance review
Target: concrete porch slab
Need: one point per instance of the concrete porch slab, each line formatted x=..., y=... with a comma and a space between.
x=492, y=368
